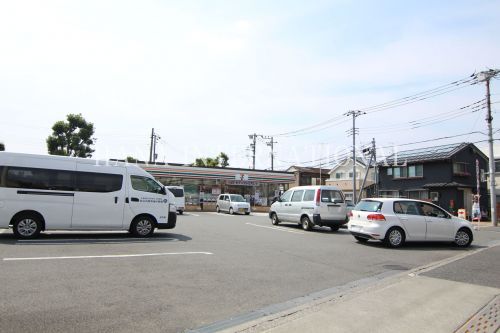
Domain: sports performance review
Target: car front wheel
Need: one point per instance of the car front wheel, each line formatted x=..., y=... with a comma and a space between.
x=142, y=227
x=231, y=211
x=463, y=238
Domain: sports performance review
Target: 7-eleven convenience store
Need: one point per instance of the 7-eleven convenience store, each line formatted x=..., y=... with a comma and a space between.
x=259, y=185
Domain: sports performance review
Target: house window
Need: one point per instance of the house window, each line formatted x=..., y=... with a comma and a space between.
x=389, y=172
x=460, y=169
x=416, y=170
x=434, y=196
x=389, y=194
x=400, y=172
x=339, y=175
x=420, y=195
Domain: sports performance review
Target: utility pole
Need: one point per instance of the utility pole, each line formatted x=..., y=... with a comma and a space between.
x=253, y=145
x=374, y=150
x=354, y=114
x=486, y=76
x=270, y=144
x=152, y=148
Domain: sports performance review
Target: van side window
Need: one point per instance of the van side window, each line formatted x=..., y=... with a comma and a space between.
x=309, y=195
x=39, y=179
x=145, y=184
x=98, y=182
x=2, y=182
x=297, y=196
x=286, y=196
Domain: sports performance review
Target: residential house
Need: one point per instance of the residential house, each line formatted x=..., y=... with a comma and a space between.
x=445, y=175
x=308, y=176
x=341, y=176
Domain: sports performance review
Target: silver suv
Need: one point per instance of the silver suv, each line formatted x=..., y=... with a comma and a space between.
x=309, y=206
x=232, y=203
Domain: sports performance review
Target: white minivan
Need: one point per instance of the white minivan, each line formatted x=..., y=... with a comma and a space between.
x=309, y=206
x=40, y=193
x=179, y=198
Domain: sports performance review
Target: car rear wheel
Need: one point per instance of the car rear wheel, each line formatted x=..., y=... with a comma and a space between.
x=395, y=237
x=463, y=238
x=361, y=239
x=274, y=219
x=306, y=223
x=27, y=226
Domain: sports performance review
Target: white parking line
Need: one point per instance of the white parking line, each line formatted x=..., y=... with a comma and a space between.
x=190, y=214
x=107, y=256
x=278, y=228
x=85, y=240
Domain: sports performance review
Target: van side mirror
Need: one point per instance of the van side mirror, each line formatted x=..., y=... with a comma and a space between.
x=163, y=191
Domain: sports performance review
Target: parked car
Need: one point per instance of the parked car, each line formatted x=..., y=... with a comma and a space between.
x=232, y=203
x=309, y=206
x=396, y=221
x=179, y=198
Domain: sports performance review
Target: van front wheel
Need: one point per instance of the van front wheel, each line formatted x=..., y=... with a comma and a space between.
x=27, y=226
x=142, y=226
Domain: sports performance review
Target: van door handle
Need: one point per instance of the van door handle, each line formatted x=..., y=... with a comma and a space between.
x=116, y=200
x=126, y=200
x=134, y=199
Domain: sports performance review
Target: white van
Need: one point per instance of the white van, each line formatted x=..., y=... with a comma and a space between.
x=61, y=193
x=179, y=198
x=309, y=206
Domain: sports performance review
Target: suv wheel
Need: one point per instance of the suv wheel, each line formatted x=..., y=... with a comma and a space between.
x=306, y=223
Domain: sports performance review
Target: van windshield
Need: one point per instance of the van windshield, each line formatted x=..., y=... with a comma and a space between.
x=177, y=192
x=237, y=198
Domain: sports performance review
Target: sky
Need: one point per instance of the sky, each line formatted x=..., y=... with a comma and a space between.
x=206, y=74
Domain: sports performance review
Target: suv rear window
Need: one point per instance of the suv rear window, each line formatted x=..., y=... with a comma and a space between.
x=369, y=206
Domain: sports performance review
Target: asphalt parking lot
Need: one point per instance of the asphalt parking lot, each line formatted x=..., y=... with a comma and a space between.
x=208, y=269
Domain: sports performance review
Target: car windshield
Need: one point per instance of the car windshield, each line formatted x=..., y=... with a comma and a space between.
x=237, y=198
x=369, y=206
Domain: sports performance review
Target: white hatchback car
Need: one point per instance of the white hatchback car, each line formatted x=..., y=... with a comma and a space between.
x=396, y=220
x=232, y=203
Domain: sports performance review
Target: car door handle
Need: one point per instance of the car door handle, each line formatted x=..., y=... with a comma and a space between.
x=126, y=200
x=116, y=200
x=134, y=199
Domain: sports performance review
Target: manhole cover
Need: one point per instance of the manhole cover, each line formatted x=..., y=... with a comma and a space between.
x=485, y=321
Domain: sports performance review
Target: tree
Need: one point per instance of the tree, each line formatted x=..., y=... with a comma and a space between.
x=224, y=159
x=2, y=146
x=72, y=138
x=131, y=159
x=220, y=160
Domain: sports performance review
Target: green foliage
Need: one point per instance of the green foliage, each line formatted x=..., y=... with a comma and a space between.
x=130, y=159
x=2, y=146
x=222, y=160
x=72, y=137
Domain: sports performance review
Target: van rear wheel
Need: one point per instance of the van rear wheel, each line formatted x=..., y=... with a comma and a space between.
x=27, y=226
x=306, y=223
x=143, y=226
